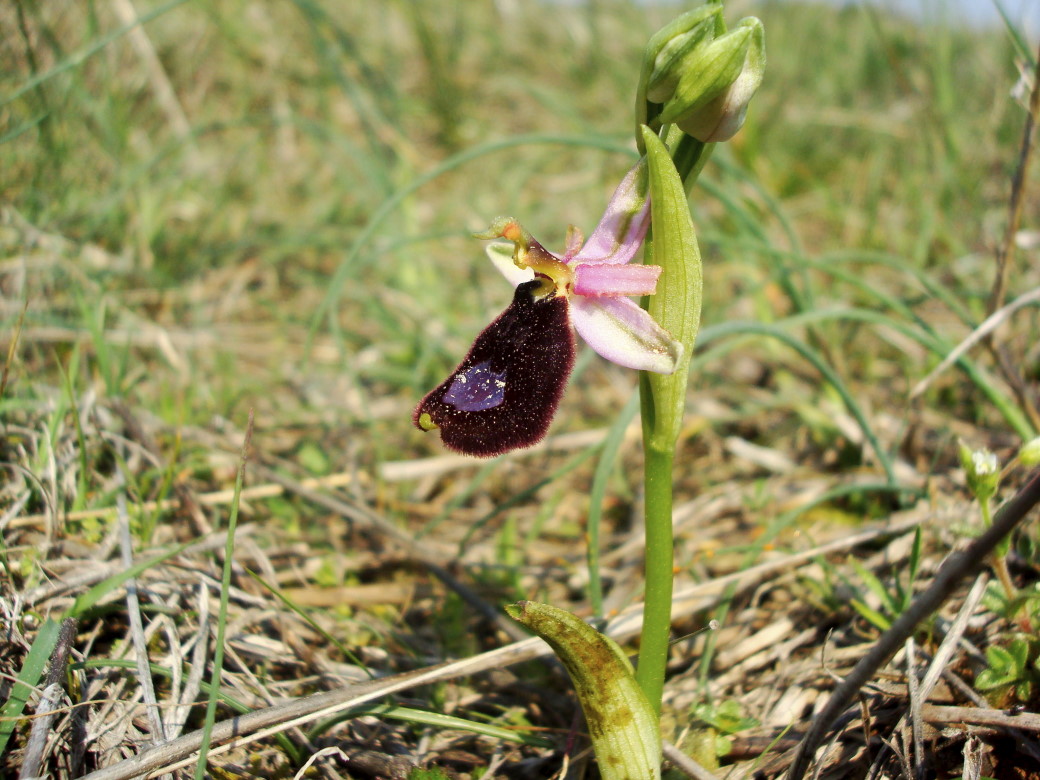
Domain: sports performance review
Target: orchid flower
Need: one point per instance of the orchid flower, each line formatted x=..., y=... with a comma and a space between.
x=504, y=393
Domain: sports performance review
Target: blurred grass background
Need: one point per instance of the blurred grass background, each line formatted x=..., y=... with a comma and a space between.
x=218, y=188
x=246, y=205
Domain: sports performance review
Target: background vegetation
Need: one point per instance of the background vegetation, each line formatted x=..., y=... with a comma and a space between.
x=267, y=206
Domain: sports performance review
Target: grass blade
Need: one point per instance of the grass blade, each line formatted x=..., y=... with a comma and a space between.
x=225, y=588
x=32, y=670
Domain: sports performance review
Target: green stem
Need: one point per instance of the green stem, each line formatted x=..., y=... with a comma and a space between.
x=689, y=156
x=999, y=556
x=676, y=307
x=657, y=610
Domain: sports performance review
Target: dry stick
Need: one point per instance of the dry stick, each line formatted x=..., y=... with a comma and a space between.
x=1004, y=253
x=165, y=94
x=1017, y=189
x=137, y=632
x=980, y=716
x=971, y=769
x=178, y=716
x=958, y=566
x=220, y=644
x=1022, y=742
x=949, y=644
x=914, y=693
x=133, y=610
x=983, y=331
x=685, y=764
x=11, y=348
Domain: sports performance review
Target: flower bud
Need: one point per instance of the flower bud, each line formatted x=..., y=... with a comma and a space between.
x=676, y=42
x=716, y=81
x=982, y=471
x=1029, y=454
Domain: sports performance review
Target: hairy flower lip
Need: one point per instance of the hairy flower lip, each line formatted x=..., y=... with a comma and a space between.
x=504, y=393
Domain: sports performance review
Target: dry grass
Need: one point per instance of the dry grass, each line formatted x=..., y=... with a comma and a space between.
x=778, y=654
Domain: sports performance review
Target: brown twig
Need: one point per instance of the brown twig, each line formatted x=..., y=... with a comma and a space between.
x=956, y=568
x=980, y=716
x=1018, y=184
x=1006, y=250
x=133, y=608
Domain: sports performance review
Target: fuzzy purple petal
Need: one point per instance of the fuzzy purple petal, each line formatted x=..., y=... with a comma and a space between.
x=625, y=334
x=504, y=393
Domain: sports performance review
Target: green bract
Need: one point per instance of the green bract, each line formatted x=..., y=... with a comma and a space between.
x=678, y=300
x=677, y=304
x=621, y=722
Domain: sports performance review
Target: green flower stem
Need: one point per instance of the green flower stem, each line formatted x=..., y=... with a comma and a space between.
x=657, y=606
x=689, y=155
x=998, y=558
x=677, y=307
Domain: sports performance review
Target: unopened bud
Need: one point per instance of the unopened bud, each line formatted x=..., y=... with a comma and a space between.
x=717, y=81
x=674, y=44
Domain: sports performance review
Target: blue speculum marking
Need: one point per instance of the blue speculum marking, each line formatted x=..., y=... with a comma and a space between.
x=477, y=388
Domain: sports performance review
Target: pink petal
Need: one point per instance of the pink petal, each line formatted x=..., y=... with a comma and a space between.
x=625, y=334
x=622, y=229
x=606, y=279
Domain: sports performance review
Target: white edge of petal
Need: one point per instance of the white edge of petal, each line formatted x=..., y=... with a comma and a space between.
x=625, y=334
x=501, y=255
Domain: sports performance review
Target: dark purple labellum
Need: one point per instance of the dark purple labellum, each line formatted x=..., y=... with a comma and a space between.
x=504, y=393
